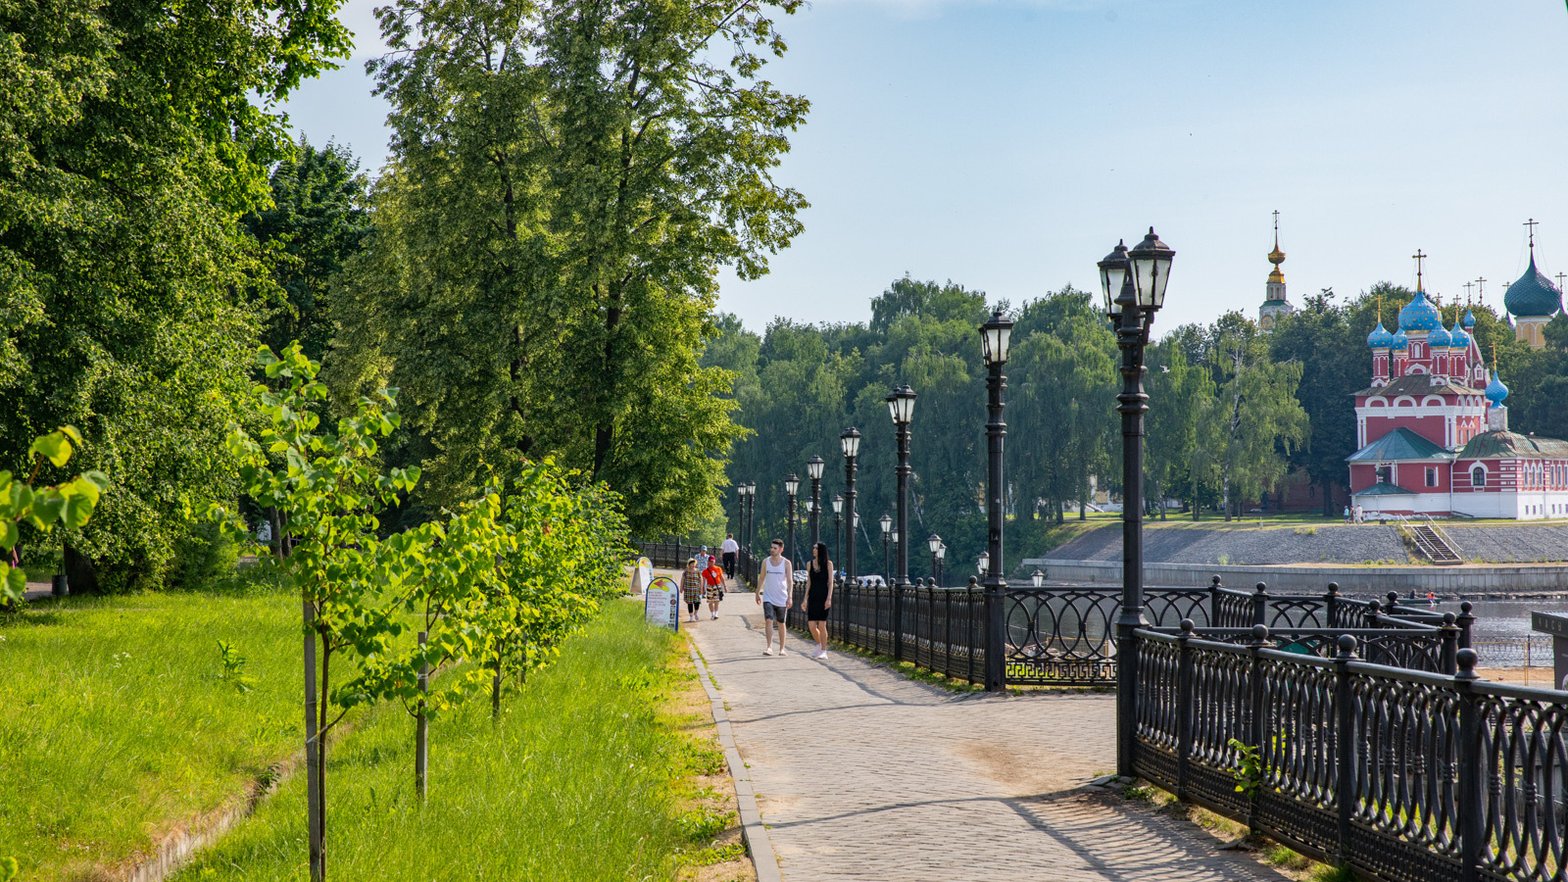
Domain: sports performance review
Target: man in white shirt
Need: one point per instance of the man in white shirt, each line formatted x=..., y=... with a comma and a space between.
x=730, y=549
x=777, y=577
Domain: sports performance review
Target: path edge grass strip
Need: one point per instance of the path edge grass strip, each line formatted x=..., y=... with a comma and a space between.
x=758, y=845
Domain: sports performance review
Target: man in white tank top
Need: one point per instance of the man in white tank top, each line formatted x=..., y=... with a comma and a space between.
x=777, y=578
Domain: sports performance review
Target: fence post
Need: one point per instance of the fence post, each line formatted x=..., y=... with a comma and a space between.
x=1345, y=743
x=1260, y=604
x=1255, y=715
x=1214, y=603
x=1393, y=601
x=947, y=654
x=1331, y=600
x=1465, y=620
x=1184, y=708
x=1448, y=653
x=1470, y=803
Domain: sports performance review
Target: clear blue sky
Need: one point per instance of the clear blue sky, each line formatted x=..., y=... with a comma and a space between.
x=1007, y=144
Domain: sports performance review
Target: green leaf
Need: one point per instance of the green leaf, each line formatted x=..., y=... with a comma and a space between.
x=55, y=447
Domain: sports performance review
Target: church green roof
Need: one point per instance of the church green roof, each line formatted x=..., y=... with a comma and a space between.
x=1533, y=294
x=1384, y=490
x=1512, y=445
x=1400, y=444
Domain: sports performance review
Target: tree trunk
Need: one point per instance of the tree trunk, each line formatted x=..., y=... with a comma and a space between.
x=422, y=728
x=314, y=818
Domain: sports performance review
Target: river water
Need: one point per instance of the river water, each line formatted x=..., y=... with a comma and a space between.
x=1502, y=635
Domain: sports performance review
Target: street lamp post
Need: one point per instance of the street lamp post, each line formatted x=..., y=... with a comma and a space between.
x=791, y=487
x=849, y=442
x=933, y=543
x=901, y=407
x=995, y=337
x=814, y=467
x=1038, y=578
x=941, y=561
x=838, y=536
x=983, y=563
x=887, y=535
x=1133, y=286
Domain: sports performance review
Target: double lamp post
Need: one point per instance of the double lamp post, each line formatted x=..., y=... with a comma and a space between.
x=1133, y=286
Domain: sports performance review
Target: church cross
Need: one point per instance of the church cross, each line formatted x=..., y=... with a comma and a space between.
x=1560, y=277
x=1468, y=286
x=1480, y=290
x=1532, y=223
x=1418, y=257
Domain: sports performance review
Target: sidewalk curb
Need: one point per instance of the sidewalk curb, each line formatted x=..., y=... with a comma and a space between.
x=751, y=826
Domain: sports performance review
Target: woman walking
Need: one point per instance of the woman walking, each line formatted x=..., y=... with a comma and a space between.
x=713, y=586
x=691, y=588
x=819, y=597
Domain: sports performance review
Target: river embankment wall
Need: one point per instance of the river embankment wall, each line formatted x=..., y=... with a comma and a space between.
x=1363, y=558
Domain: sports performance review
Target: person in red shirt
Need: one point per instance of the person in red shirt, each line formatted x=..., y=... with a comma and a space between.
x=713, y=586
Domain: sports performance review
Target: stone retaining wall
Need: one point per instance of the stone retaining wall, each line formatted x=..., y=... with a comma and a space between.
x=1357, y=581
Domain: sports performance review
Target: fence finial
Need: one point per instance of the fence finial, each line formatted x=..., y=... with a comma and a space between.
x=1260, y=634
x=1333, y=587
x=1187, y=627
x=1347, y=646
x=1467, y=660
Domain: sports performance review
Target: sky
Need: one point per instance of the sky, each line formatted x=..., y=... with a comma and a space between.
x=1006, y=145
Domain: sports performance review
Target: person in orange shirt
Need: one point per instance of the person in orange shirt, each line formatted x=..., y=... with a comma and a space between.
x=713, y=586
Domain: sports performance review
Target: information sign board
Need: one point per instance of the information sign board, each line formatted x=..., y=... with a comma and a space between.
x=662, y=603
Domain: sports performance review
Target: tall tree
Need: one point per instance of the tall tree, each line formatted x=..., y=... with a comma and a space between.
x=318, y=218
x=135, y=135
x=1259, y=419
x=1334, y=364
x=567, y=178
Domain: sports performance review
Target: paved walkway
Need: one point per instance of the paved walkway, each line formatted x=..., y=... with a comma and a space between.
x=864, y=775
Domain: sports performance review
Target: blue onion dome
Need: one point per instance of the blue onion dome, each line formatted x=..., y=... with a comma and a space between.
x=1533, y=295
x=1439, y=338
x=1458, y=338
x=1496, y=391
x=1419, y=315
x=1400, y=341
x=1380, y=338
x=1469, y=321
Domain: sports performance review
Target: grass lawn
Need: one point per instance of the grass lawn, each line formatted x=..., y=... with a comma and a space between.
x=601, y=767
x=118, y=729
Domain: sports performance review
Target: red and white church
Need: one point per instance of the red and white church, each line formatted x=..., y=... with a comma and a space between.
x=1433, y=430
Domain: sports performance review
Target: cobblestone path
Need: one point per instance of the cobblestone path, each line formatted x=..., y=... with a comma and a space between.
x=864, y=775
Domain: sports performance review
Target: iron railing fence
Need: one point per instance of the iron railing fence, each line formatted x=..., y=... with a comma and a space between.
x=674, y=553
x=1065, y=636
x=1404, y=775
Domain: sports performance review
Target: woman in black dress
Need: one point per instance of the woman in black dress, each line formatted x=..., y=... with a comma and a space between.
x=819, y=597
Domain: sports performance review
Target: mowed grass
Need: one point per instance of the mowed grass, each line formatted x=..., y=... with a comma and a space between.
x=580, y=779
x=117, y=728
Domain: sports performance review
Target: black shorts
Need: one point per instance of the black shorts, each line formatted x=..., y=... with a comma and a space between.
x=776, y=613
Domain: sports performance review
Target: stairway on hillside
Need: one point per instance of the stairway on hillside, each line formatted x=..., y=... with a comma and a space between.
x=1433, y=543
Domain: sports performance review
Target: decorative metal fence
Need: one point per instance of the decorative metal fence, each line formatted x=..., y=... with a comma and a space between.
x=674, y=554
x=1065, y=636
x=1405, y=775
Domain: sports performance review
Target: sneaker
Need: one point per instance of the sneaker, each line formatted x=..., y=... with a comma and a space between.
x=715, y=617
x=783, y=652
x=769, y=651
x=821, y=653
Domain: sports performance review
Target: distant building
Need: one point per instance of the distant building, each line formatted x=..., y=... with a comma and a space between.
x=1274, y=302
x=1433, y=430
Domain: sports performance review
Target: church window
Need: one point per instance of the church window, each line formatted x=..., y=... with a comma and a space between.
x=1431, y=476
x=1478, y=477
x=1385, y=474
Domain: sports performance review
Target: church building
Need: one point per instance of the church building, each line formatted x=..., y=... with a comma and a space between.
x=1533, y=300
x=1433, y=430
x=1274, y=302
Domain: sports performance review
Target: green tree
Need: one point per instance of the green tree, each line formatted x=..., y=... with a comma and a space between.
x=1259, y=419
x=567, y=179
x=317, y=219
x=1335, y=364
x=135, y=135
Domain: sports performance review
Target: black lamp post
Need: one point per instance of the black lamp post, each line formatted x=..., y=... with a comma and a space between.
x=791, y=487
x=995, y=338
x=983, y=563
x=849, y=442
x=838, y=519
x=901, y=407
x=814, y=467
x=933, y=543
x=1038, y=578
x=941, y=561
x=1133, y=285
x=887, y=535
